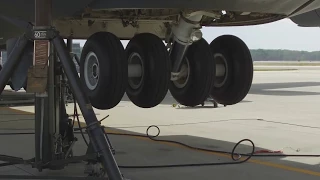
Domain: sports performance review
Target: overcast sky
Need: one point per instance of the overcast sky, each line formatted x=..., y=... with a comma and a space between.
x=282, y=34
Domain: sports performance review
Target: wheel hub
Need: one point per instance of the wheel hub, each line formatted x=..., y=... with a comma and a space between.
x=136, y=59
x=221, y=70
x=95, y=70
x=91, y=70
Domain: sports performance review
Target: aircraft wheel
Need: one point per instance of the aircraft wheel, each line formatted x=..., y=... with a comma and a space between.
x=149, y=86
x=234, y=69
x=198, y=69
x=11, y=85
x=104, y=70
x=25, y=85
x=9, y=80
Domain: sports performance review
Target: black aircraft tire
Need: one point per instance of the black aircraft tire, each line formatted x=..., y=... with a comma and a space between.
x=104, y=70
x=151, y=54
x=238, y=76
x=201, y=69
x=11, y=85
x=25, y=85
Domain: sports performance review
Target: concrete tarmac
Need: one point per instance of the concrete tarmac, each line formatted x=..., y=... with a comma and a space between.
x=279, y=113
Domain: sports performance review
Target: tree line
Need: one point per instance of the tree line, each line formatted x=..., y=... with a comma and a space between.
x=284, y=55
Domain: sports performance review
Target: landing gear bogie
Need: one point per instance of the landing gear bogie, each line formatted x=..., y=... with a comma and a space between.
x=193, y=68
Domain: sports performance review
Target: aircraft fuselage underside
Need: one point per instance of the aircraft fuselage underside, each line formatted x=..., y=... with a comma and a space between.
x=79, y=19
x=146, y=23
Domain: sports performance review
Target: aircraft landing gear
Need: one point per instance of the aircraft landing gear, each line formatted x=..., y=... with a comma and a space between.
x=222, y=69
x=148, y=52
x=234, y=70
x=104, y=70
x=225, y=71
x=193, y=66
x=142, y=70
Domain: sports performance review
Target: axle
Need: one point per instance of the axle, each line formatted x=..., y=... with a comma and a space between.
x=135, y=70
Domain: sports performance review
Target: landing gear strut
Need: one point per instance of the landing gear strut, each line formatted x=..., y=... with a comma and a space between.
x=223, y=69
x=193, y=66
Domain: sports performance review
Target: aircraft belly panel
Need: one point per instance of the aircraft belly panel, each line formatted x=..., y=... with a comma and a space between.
x=266, y=6
x=309, y=19
x=24, y=9
x=310, y=7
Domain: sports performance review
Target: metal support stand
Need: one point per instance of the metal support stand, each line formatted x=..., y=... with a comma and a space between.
x=44, y=100
x=42, y=33
x=96, y=134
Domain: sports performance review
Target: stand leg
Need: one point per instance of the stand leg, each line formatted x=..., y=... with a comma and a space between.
x=12, y=62
x=96, y=134
x=64, y=98
x=45, y=113
x=43, y=136
x=42, y=146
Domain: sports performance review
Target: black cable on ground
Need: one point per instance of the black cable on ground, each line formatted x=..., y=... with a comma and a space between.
x=236, y=157
x=49, y=177
x=20, y=133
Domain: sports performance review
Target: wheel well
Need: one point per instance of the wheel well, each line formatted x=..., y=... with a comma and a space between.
x=125, y=23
